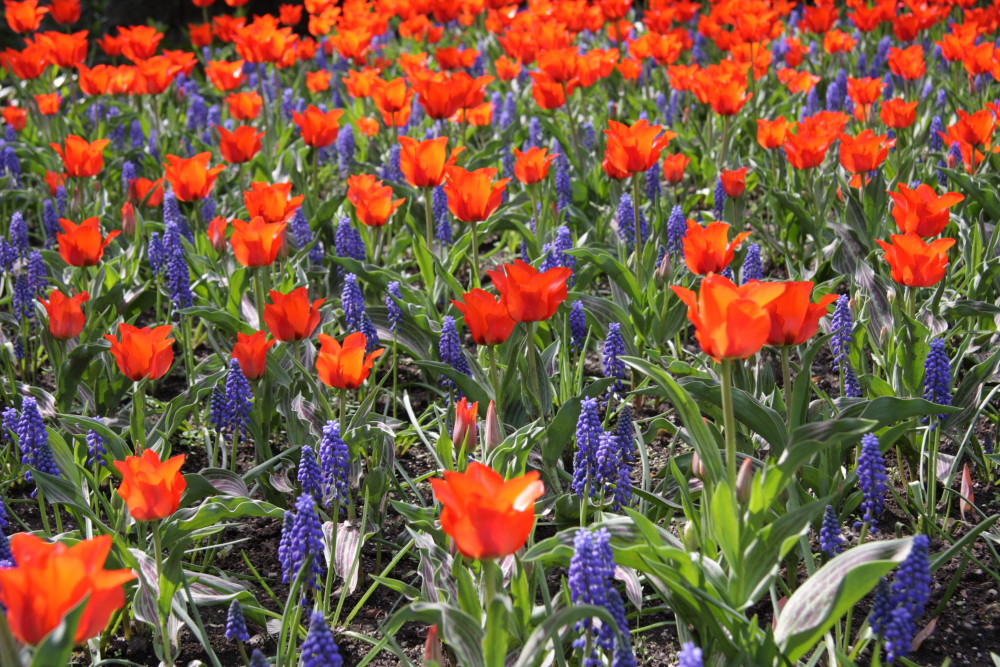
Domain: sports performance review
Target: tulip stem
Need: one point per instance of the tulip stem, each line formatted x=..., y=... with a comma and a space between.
x=491, y=355
x=429, y=218
x=534, y=383
x=164, y=633
x=474, y=255
x=638, y=230
x=139, y=417
x=259, y=292
x=786, y=378
x=729, y=421
x=343, y=410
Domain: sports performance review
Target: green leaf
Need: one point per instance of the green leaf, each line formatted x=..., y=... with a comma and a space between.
x=535, y=649
x=458, y=630
x=213, y=512
x=827, y=595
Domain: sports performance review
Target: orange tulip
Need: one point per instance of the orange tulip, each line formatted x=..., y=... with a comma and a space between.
x=734, y=181
x=83, y=245
x=914, y=262
x=794, y=318
x=16, y=117
x=424, y=163
x=240, y=145
x=345, y=366
x=465, y=432
x=258, y=242
x=864, y=93
x=48, y=580
x=271, y=201
x=251, y=351
x=550, y=94
x=486, y=316
x=81, y=157
x=533, y=165
x=707, y=250
x=730, y=322
x=245, y=106
x=974, y=129
x=49, y=103
x=898, y=114
x=506, y=68
x=908, y=63
x=393, y=100
x=145, y=191
x=771, y=134
x=372, y=199
x=485, y=515
x=191, y=178
x=921, y=211
x=152, y=489
x=25, y=16
x=318, y=81
x=142, y=352
x=635, y=149
x=66, y=318
x=530, y=295
x=291, y=317
x=318, y=128
x=674, y=167
x=66, y=12
x=367, y=125
x=865, y=152
x=473, y=196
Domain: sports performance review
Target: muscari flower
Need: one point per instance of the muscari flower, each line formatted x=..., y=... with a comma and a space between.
x=96, y=450
x=676, y=230
x=335, y=461
x=690, y=656
x=450, y=349
x=349, y=242
x=555, y=252
x=830, y=538
x=752, y=267
x=320, y=648
x=937, y=375
x=872, y=480
x=239, y=398
x=614, y=347
x=898, y=607
x=302, y=540
x=310, y=476
x=236, y=624
x=33, y=439
x=589, y=430
x=577, y=325
x=442, y=216
x=395, y=311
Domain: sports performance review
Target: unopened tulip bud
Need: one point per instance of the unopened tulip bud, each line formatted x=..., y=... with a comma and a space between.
x=217, y=233
x=662, y=273
x=698, y=467
x=466, y=430
x=689, y=535
x=433, y=649
x=494, y=432
x=744, y=481
x=128, y=219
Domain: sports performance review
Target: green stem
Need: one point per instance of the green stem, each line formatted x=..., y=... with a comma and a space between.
x=638, y=229
x=729, y=421
x=139, y=416
x=786, y=377
x=343, y=411
x=534, y=382
x=258, y=294
x=429, y=217
x=164, y=632
x=474, y=255
x=491, y=355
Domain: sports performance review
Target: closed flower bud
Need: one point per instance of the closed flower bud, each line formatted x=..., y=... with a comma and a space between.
x=433, y=648
x=744, y=481
x=662, y=273
x=128, y=219
x=494, y=431
x=465, y=433
x=689, y=535
x=698, y=467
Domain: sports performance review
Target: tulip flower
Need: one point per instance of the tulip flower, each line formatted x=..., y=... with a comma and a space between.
x=771, y=134
x=48, y=103
x=485, y=515
x=794, y=318
x=24, y=16
x=424, y=163
x=271, y=201
x=66, y=317
x=921, y=211
x=530, y=295
x=865, y=152
x=251, y=351
x=16, y=117
x=635, y=149
x=465, y=432
x=473, y=196
x=240, y=145
x=707, y=249
x=908, y=63
x=152, y=489
x=345, y=366
x=898, y=113
x=318, y=128
x=734, y=181
x=914, y=262
x=81, y=157
x=486, y=316
x=291, y=317
x=974, y=129
x=674, y=167
x=533, y=165
x=245, y=106
x=48, y=580
x=372, y=199
x=191, y=178
x=142, y=352
x=730, y=322
x=145, y=191
x=82, y=244
x=257, y=243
